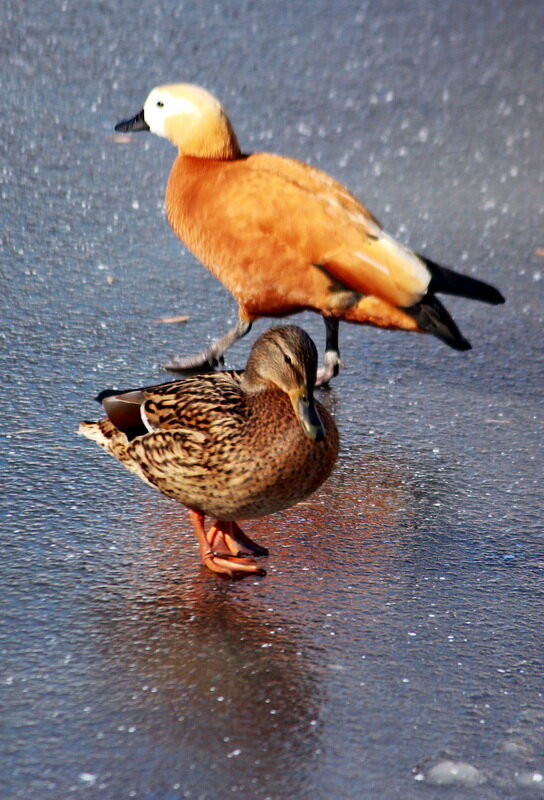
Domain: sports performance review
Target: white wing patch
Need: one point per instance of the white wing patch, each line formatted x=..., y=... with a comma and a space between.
x=387, y=251
x=413, y=266
x=145, y=419
x=366, y=258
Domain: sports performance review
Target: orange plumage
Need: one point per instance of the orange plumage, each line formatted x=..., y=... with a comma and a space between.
x=283, y=236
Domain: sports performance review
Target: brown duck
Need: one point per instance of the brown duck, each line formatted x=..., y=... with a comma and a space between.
x=228, y=445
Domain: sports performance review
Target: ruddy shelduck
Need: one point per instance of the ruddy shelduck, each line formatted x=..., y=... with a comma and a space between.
x=283, y=236
x=230, y=445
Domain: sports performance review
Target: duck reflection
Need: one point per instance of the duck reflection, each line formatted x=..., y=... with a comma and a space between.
x=364, y=518
x=374, y=510
x=229, y=680
x=206, y=673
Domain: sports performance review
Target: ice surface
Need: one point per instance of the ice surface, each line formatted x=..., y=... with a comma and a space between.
x=400, y=624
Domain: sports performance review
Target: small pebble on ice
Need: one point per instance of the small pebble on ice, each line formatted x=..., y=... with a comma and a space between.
x=87, y=778
x=528, y=778
x=513, y=748
x=449, y=773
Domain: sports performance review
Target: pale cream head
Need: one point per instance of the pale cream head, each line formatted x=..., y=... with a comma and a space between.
x=192, y=119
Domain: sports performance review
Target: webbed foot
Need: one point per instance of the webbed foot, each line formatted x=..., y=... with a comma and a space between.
x=330, y=368
x=224, y=547
x=205, y=361
x=213, y=355
x=229, y=538
x=233, y=566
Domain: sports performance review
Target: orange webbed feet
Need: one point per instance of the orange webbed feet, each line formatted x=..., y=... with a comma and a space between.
x=228, y=537
x=224, y=547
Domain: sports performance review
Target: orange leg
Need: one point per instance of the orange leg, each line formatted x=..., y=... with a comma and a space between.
x=228, y=538
x=221, y=545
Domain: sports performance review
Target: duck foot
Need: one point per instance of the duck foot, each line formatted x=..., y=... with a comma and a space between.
x=331, y=360
x=213, y=355
x=231, y=566
x=228, y=537
x=224, y=547
x=205, y=361
x=330, y=368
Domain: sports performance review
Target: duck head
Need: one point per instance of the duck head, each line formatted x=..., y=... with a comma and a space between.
x=189, y=117
x=286, y=357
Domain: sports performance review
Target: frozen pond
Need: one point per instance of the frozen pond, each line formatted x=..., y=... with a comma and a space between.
x=395, y=644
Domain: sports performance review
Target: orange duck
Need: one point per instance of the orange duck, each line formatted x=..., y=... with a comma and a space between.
x=283, y=237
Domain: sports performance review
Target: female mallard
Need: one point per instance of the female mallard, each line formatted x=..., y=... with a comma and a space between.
x=229, y=445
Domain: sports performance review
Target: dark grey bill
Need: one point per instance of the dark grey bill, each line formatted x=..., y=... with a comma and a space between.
x=137, y=123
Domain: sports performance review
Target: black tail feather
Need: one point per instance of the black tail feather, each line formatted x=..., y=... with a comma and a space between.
x=446, y=281
x=432, y=317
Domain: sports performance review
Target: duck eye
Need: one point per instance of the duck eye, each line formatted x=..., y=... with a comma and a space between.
x=288, y=359
x=160, y=104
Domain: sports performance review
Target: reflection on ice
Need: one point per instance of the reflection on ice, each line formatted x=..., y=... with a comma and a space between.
x=222, y=681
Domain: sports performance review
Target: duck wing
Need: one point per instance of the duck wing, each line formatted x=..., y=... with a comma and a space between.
x=200, y=403
x=304, y=209
x=188, y=426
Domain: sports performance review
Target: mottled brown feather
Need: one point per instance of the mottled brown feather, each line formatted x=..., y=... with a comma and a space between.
x=229, y=445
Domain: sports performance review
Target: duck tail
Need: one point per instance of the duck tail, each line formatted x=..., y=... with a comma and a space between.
x=432, y=317
x=447, y=281
x=113, y=441
x=102, y=432
x=106, y=435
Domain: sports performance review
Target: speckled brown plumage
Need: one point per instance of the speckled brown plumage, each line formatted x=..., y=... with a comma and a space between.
x=228, y=445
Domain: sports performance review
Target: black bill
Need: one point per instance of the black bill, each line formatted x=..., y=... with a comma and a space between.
x=137, y=123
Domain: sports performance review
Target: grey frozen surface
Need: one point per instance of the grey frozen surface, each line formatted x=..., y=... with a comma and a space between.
x=394, y=649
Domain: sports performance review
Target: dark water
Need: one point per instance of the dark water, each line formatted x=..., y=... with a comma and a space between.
x=400, y=624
